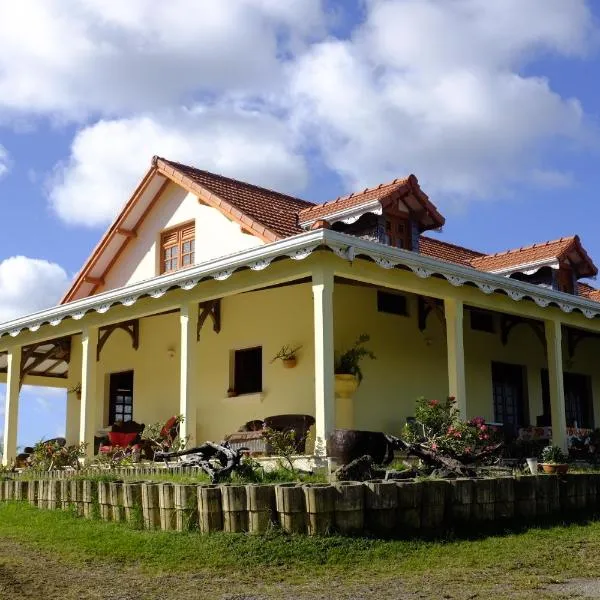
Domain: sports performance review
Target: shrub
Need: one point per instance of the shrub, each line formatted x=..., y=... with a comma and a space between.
x=438, y=427
x=51, y=455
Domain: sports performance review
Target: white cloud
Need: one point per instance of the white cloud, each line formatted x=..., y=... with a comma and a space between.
x=28, y=285
x=435, y=87
x=73, y=58
x=5, y=162
x=109, y=158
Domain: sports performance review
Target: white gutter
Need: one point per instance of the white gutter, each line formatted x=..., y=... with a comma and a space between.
x=299, y=247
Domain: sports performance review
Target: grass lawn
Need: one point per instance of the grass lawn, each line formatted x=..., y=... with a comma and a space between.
x=525, y=564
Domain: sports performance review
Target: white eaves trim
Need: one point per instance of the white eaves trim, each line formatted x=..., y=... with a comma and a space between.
x=348, y=215
x=299, y=247
x=528, y=268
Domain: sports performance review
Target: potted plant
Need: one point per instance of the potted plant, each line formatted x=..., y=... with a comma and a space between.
x=554, y=460
x=348, y=373
x=288, y=356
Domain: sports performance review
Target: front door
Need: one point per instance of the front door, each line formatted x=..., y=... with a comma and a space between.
x=509, y=396
x=120, y=406
x=579, y=410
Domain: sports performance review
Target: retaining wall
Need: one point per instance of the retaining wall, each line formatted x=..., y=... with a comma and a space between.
x=382, y=508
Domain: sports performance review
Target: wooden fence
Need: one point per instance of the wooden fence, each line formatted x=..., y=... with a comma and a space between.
x=386, y=508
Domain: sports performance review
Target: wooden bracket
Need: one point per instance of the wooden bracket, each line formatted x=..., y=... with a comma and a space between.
x=211, y=308
x=575, y=337
x=509, y=322
x=425, y=306
x=59, y=352
x=130, y=327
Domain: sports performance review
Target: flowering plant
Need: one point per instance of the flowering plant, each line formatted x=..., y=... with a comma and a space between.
x=438, y=428
x=52, y=455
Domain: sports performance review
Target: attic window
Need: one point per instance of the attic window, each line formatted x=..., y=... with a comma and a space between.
x=177, y=248
x=398, y=233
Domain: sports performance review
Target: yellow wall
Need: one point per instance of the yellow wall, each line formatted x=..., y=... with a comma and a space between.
x=409, y=363
x=216, y=236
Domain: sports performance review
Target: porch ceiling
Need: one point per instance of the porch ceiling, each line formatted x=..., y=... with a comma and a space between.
x=47, y=359
x=346, y=247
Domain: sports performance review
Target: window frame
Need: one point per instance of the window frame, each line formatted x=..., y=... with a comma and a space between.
x=381, y=308
x=116, y=380
x=183, y=238
x=394, y=236
x=244, y=389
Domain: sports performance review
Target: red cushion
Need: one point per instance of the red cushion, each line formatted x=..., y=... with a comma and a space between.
x=121, y=439
x=165, y=432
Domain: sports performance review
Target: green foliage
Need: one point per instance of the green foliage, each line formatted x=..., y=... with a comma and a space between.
x=50, y=455
x=283, y=445
x=348, y=363
x=286, y=353
x=439, y=428
x=553, y=455
x=153, y=438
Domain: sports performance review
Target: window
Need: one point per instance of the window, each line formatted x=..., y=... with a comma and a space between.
x=509, y=395
x=394, y=304
x=121, y=397
x=482, y=320
x=177, y=248
x=247, y=371
x=398, y=233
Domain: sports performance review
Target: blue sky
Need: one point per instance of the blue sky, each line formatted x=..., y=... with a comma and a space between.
x=493, y=104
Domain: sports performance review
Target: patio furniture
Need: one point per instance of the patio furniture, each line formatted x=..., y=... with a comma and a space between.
x=251, y=436
x=122, y=435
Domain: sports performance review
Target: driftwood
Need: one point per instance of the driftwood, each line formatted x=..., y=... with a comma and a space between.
x=218, y=461
x=453, y=465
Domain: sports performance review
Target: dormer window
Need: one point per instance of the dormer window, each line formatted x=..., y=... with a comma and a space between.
x=177, y=248
x=398, y=232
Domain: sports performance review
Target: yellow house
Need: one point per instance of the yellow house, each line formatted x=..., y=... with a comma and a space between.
x=202, y=279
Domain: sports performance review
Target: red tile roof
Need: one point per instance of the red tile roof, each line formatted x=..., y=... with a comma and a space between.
x=274, y=211
x=381, y=193
x=448, y=252
x=556, y=249
x=319, y=211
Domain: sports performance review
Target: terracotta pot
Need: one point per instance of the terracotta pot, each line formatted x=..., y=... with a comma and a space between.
x=289, y=363
x=345, y=385
x=346, y=445
x=553, y=468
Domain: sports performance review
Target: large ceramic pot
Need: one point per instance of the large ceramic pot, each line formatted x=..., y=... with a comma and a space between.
x=559, y=469
x=345, y=385
x=346, y=445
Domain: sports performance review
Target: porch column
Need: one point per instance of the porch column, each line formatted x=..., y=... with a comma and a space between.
x=555, y=375
x=188, y=397
x=454, y=311
x=11, y=408
x=73, y=399
x=322, y=289
x=89, y=379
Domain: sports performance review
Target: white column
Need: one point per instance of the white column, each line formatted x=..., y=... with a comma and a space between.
x=73, y=399
x=557, y=391
x=188, y=319
x=89, y=379
x=322, y=288
x=454, y=311
x=11, y=408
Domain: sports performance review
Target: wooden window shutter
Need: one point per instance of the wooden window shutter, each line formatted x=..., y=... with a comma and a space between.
x=177, y=248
